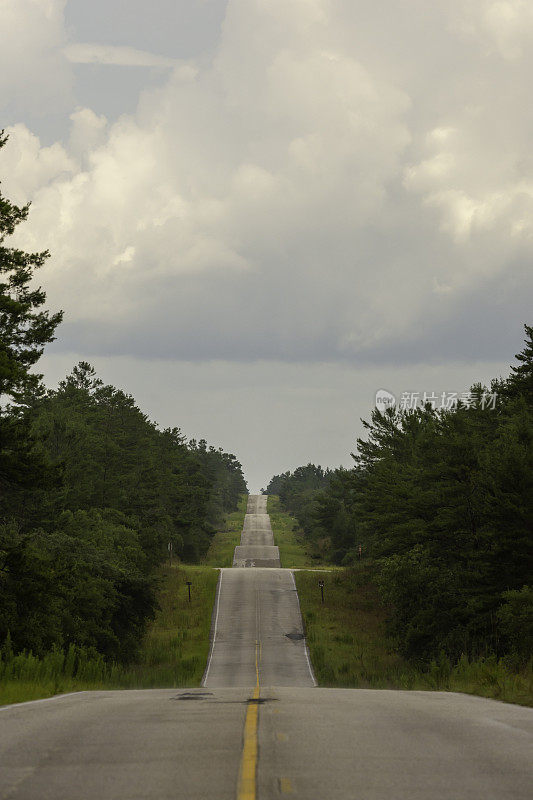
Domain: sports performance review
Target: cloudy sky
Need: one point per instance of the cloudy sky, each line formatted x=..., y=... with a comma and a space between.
x=262, y=211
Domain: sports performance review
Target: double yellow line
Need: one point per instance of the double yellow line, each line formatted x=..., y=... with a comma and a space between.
x=248, y=772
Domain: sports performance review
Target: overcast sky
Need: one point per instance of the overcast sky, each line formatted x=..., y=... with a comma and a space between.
x=262, y=211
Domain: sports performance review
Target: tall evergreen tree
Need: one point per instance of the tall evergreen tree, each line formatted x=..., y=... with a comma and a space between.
x=25, y=327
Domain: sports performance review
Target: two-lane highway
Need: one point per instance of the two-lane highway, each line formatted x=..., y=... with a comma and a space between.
x=336, y=744
x=257, y=606
x=257, y=548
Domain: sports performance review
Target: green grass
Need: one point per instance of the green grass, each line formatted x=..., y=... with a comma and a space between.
x=220, y=553
x=349, y=647
x=287, y=536
x=175, y=648
x=173, y=653
x=345, y=635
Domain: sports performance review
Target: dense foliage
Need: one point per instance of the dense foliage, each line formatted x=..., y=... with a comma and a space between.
x=91, y=491
x=441, y=504
x=298, y=492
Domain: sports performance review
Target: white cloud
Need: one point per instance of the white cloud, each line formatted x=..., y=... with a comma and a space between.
x=91, y=53
x=87, y=133
x=30, y=167
x=505, y=26
x=305, y=195
x=481, y=189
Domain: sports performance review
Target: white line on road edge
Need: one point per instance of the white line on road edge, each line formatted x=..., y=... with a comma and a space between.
x=210, y=657
x=315, y=682
x=43, y=699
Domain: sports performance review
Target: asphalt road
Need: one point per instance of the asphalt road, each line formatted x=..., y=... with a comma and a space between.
x=152, y=744
x=257, y=547
x=350, y=744
x=257, y=626
x=258, y=730
x=256, y=556
x=257, y=608
x=336, y=744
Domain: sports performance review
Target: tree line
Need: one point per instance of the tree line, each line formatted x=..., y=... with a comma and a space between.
x=438, y=508
x=91, y=491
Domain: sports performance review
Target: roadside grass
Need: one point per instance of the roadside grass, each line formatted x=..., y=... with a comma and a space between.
x=175, y=648
x=287, y=537
x=173, y=653
x=349, y=647
x=220, y=553
x=345, y=634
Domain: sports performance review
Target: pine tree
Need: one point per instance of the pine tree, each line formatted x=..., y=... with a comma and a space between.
x=520, y=382
x=24, y=327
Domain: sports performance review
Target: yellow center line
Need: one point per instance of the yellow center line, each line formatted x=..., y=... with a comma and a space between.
x=248, y=770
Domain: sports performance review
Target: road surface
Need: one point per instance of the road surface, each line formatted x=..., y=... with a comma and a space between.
x=258, y=728
x=257, y=547
x=257, y=625
x=257, y=614
x=336, y=744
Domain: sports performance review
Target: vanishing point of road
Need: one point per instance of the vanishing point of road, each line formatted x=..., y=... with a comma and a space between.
x=258, y=727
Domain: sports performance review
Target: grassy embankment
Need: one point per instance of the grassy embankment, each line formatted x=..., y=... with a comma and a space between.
x=290, y=541
x=347, y=639
x=349, y=646
x=173, y=653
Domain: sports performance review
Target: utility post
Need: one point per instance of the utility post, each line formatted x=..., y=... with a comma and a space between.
x=170, y=553
x=189, y=583
x=321, y=585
